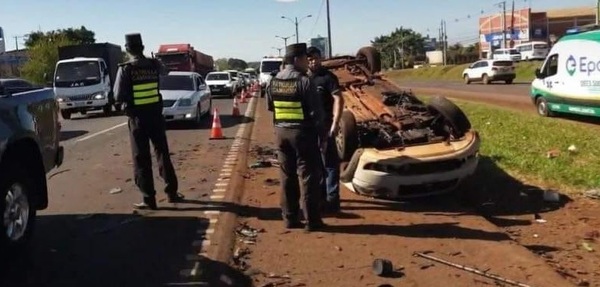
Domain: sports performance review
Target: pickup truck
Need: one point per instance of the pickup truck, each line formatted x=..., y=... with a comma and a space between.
x=29, y=149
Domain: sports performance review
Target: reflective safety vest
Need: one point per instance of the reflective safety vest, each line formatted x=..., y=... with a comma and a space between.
x=144, y=82
x=287, y=101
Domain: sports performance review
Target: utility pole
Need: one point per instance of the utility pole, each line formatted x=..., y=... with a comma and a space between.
x=329, y=30
x=284, y=39
x=278, y=50
x=296, y=22
x=598, y=12
x=444, y=41
x=512, y=25
x=503, y=19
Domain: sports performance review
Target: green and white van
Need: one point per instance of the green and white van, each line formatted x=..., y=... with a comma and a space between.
x=569, y=79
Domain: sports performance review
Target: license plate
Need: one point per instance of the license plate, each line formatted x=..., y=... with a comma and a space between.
x=79, y=104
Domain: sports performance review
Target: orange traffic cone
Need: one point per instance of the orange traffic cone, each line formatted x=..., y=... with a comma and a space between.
x=236, y=109
x=243, y=96
x=216, y=131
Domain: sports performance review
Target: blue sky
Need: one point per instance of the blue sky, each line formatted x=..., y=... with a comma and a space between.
x=246, y=29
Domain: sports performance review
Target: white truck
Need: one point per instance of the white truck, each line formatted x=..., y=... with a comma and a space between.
x=84, y=78
x=267, y=66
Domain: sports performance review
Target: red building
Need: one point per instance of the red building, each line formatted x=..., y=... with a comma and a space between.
x=530, y=26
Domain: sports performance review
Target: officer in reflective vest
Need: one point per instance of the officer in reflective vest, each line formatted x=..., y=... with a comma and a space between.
x=137, y=87
x=298, y=119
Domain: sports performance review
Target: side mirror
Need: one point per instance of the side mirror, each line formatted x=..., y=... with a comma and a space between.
x=538, y=74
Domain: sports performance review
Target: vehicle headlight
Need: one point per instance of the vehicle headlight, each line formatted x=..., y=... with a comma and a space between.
x=99, y=96
x=60, y=100
x=186, y=102
x=228, y=85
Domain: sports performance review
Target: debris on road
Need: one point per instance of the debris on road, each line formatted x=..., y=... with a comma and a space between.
x=472, y=270
x=593, y=193
x=261, y=164
x=115, y=190
x=271, y=182
x=382, y=267
x=572, y=148
x=587, y=246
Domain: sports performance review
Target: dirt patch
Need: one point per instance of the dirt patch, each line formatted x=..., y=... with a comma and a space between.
x=368, y=229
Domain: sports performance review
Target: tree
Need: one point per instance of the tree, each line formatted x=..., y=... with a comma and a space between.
x=254, y=65
x=237, y=64
x=80, y=35
x=222, y=64
x=410, y=42
x=43, y=57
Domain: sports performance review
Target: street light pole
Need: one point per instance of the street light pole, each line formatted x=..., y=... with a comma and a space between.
x=284, y=39
x=278, y=50
x=296, y=22
x=329, y=30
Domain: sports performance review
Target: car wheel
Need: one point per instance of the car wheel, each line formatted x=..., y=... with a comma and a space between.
x=372, y=56
x=346, y=139
x=83, y=112
x=65, y=114
x=466, y=78
x=347, y=169
x=542, y=107
x=486, y=79
x=16, y=208
x=107, y=110
x=454, y=116
x=508, y=82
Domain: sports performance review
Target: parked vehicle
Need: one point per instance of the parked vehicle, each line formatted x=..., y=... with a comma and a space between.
x=488, y=71
x=183, y=57
x=247, y=79
x=29, y=149
x=536, y=50
x=186, y=97
x=84, y=78
x=392, y=144
x=251, y=72
x=221, y=83
x=568, y=79
x=267, y=66
x=238, y=80
x=506, y=54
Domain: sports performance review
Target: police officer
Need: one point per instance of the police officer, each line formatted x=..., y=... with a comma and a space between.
x=328, y=88
x=137, y=88
x=298, y=119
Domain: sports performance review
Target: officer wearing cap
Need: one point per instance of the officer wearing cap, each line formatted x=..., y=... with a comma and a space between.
x=328, y=88
x=298, y=119
x=137, y=87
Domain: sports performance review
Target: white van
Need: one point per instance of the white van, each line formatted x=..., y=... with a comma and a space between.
x=536, y=50
x=569, y=80
x=507, y=54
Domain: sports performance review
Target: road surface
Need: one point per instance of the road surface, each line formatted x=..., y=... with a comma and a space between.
x=90, y=235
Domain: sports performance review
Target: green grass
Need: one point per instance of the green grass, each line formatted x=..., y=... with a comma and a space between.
x=518, y=142
x=525, y=72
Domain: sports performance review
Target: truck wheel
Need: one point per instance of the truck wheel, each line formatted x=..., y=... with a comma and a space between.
x=107, y=110
x=17, y=210
x=118, y=108
x=348, y=169
x=542, y=107
x=372, y=56
x=453, y=115
x=65, y=114
x=347, y=138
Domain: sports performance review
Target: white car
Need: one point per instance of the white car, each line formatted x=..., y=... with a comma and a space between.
x=489, y=71
x=185, y=97
x=221, y=83
x=507, y=54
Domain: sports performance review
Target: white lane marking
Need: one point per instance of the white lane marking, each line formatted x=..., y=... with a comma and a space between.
x=207, y=231
x=217, y=196
x=226, y=170
x=213, y=220
x=219, y=190
x=214, y=212
x=101, y=132
x=222, y=184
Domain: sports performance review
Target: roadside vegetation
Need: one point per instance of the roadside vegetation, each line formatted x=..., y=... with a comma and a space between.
x=525, y=72
x=532, y=147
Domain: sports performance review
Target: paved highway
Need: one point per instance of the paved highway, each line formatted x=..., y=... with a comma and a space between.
x=90, y=235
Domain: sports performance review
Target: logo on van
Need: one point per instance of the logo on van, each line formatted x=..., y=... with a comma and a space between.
x=571, y=65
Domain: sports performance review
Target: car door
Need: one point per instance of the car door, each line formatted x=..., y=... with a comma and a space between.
x=550, y=79
x=203, y=93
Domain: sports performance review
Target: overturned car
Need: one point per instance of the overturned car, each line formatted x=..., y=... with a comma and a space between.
x=392, y=144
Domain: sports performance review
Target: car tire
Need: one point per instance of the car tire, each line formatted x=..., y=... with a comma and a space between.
x=65, y=114
x=347, y=169
x=372, y=56
x=16, y=181
x=508, y=82
x=454, y=116
x=542, y=107
x=486, y=79
x=107, y=110
x=347, y=137
x=466, y=79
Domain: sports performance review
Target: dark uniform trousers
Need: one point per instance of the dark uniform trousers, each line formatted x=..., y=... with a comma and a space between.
x=144, y=128
x=299, y=157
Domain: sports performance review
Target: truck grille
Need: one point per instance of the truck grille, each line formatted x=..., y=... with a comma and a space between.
x=81, y=97
x=168, y=103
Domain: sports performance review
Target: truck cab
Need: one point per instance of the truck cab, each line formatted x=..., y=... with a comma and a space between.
x=267, y=66
x=82, y=84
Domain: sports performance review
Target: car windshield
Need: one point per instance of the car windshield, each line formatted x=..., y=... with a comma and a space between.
x=269, y=66
x=180, y=83
x=514, y=52
x=540, y=46
x=77, y=71
x=503, y=63
x=217, y=77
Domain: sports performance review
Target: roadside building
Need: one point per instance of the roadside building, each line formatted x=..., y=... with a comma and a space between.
x=11, y=63
x=527, y=26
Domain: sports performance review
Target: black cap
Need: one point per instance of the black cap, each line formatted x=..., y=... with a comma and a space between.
x=313, y=50
x=295, y=50
x=133, y=40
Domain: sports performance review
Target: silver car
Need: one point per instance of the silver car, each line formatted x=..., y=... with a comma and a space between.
x=186, y=97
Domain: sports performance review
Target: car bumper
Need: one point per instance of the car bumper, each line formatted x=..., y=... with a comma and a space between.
x=180, y=113
x=503, y=77
x=83, y=105
x=410, y=177
x=221, y=91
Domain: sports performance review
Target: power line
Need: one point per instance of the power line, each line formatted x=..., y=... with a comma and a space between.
x=312, y=31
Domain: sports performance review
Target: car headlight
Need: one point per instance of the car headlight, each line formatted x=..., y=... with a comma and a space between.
x=60, y=100
x=99, y=96
x=186, y=102
x=228, y=85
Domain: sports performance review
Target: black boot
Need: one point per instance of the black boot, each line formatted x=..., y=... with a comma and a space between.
x=176, y=197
